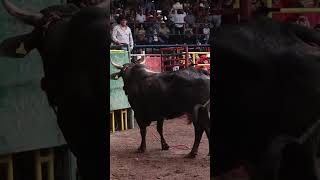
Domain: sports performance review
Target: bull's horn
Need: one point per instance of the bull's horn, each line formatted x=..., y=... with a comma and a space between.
x=26, y=17
x=142, y=60
x=116, y=65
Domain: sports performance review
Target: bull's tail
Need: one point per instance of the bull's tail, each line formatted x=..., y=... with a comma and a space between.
x=195, y=113
x=199, y=108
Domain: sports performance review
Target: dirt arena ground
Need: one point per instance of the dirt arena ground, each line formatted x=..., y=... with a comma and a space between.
x=154, y=163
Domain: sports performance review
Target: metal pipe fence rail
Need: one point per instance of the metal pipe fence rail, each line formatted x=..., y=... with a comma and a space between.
x=155, y=49
x=289, y=10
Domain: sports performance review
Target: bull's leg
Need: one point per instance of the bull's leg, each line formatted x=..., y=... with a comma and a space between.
x=143, y=132
x=164, y=144
x=207, y=130
x=198, y=135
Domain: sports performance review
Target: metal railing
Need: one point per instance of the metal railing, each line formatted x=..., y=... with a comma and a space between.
x=155, y=49
x=290, y=10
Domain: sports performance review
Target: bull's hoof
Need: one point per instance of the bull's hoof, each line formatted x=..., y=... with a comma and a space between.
x=141, y=150
x=191, y=155
x=165, y=147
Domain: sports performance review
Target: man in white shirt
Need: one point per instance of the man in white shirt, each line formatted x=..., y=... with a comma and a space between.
x=179, y=21
x=122, y=35
x=140, y=18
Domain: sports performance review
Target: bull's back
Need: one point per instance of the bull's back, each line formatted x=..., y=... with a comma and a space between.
x=182, y=91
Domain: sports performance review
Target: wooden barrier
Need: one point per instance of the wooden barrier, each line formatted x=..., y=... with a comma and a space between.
x=113, y=122
x=7, y=161
x=41, y=159
x=123, y=120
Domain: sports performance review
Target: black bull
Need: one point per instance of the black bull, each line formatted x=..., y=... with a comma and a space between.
x=73, y=44
x=158, y=96
x=267, y=97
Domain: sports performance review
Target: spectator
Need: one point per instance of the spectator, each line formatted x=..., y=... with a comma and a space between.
x=141, y=34
x=187, y=5
x=140, y=18
x=131, y=16
x=152, y=35
x=112, y=19
x=122, y=35
x=190, y=18
x=149, y=6
x=214, y=19
x=177, y=5
x=179, y=21
x=152, y=22
x=164, y=32
x=189, y=35
x=158, y=16
x=206, y=32
x=171, y=15
x=304, y=21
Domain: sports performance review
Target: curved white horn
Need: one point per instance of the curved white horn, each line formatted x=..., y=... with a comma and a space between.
x=142, y=58
x=116, y=65
x=25, y=16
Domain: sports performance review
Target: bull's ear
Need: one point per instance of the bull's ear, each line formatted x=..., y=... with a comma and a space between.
x=115, y=76
x=17, y=47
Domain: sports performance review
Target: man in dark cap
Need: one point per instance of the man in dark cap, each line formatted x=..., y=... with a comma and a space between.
x=122, y=35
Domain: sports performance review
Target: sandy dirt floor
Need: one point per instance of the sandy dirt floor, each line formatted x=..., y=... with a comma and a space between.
x=154, y=163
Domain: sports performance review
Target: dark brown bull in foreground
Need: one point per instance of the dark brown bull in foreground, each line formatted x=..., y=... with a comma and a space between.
x=72, y=43
x=266, y=100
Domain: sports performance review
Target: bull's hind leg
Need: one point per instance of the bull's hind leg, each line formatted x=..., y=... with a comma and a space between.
x=198, y=135
x=164, y=144
x=207, y=130
x=143, y=132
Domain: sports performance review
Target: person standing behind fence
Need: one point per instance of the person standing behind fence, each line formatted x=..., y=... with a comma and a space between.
x=179, y=25
x=179, y=21
x=122, y=35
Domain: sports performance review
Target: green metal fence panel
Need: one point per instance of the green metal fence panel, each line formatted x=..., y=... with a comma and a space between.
x=26, y=120
x=118, y=99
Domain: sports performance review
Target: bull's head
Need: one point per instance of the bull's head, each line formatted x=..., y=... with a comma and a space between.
x=125, y=69
x=43, y=23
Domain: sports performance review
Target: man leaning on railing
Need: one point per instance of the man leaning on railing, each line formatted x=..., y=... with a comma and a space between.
x=122, y=35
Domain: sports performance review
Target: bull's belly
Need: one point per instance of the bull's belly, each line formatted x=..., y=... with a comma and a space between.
x=149, y=117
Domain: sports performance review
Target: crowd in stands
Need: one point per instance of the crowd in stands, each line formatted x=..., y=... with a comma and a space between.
x=190, y=21
x=184, y=21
